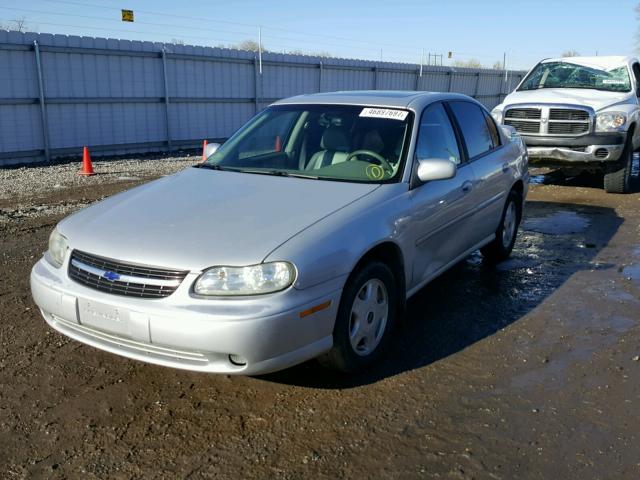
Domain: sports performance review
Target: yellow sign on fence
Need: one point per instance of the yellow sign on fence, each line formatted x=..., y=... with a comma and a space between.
x=127, y=15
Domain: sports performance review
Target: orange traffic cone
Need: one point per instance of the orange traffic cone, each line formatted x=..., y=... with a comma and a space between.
x=87, y=166
x=204, y=147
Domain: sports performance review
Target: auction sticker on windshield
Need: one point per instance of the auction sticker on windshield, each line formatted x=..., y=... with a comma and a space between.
x=384, y=113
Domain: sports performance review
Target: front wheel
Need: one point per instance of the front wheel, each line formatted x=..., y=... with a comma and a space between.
x=501, y=246
x=367, y=313
x=618, y=180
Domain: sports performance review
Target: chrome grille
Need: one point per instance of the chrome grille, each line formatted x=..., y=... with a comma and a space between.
x=524, y=120
x=543, y=120
x=526, y=113
x=119, y=278
x=523, y=127
x=567, y=128
x=568, y=114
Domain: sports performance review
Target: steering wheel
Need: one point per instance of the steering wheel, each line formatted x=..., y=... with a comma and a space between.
x=385, y=164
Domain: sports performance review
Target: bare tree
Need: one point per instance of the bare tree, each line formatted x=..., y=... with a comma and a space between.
x=16, y=25
x=250, y=45
x=177, y=41
x=570, y=53
x=498, y=65
x=471, y=63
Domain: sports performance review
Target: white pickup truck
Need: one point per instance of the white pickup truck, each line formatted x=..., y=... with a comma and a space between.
x=579, y=113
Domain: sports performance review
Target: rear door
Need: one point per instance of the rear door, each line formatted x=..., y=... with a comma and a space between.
x=492, y=164
x=440, y=209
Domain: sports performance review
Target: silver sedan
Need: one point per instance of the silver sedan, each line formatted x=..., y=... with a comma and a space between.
x=301, y=236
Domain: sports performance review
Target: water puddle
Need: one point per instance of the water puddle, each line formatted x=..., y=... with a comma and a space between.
x=563, y=222
x=632, y=272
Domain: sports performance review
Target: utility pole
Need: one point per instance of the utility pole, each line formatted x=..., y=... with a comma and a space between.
x=504, y=65
x=260, y=48
x=421, y=61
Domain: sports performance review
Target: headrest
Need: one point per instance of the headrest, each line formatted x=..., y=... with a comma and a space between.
x=373, y=141
x=334, y=138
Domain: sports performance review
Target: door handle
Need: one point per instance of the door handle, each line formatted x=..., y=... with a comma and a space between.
x=505, y=167
x=467, y=186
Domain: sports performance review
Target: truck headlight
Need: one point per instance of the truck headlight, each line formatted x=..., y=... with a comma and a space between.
x=610, y=121
x=251, y=280
x=496, y=113
x=57, y=249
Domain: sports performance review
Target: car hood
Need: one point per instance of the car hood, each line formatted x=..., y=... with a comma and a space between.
x=596, y=99
x=199, y=218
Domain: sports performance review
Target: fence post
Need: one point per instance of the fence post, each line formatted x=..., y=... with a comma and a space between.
x=166, y=95
x=43, y=107
x=375, y=78
x=255, y=83
x=475, y=93
x=418, y=72
x=320, y=77
x=450, y=80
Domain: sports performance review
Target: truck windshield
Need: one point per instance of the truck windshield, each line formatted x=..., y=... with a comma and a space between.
x=571, y=75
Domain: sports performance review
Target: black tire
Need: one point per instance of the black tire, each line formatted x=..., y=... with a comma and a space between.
x=500, y=247
x=343, y=356
x=618, y=180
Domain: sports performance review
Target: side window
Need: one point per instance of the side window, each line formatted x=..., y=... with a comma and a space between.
x=475, y=129
x=636, y=74
x=493, y=130
x=436, y=138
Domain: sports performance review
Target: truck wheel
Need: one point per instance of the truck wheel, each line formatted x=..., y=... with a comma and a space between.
x=619, y=180
x=500, y=247
x=367, y=313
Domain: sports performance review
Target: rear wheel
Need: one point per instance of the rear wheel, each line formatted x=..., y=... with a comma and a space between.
x=366, y=315
x=618, y=180
x=501, y=246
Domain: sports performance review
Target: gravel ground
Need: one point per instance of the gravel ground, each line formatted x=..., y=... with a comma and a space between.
x=27, y=182
x=525, y=370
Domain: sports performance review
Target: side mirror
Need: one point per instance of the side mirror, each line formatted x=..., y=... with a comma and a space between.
x=436, y=169
x=509, y=131
x=210, y=149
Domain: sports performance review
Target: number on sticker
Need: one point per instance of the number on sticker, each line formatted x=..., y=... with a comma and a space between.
x=384, y=113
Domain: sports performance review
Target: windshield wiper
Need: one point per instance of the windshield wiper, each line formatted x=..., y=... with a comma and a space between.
x=278, y=173
x=284, y=173
x=214, y=166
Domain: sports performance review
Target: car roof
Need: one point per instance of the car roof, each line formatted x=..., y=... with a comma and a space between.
x=607, y=62
x=412, y=100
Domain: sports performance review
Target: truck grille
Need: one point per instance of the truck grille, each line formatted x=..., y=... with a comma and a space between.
x=568, y=128
x=119, y=278
x=549, y=121
x=568, y=114
x=524, y=120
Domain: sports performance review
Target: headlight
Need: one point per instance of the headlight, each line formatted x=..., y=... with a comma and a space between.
x=57, y=249
x=496, y=113
x=251, y=280
x=607, y=122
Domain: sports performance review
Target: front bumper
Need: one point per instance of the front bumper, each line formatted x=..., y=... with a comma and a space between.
x=605, y=153
x=190, y=333
x=584, y=149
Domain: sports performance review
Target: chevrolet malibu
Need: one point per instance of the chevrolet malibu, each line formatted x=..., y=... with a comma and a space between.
x=302, y=236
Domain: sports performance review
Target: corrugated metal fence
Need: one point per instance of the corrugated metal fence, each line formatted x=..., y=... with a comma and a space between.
x=58, y=92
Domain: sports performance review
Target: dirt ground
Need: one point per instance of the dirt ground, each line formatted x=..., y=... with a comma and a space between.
x=526, y=370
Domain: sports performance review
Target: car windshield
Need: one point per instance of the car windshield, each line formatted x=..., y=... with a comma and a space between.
x=324, y=142
x=571, y=75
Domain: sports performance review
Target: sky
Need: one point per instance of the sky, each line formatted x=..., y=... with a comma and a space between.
x=389, y=30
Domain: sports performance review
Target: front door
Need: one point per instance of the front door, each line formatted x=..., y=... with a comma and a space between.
x=439, y=208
